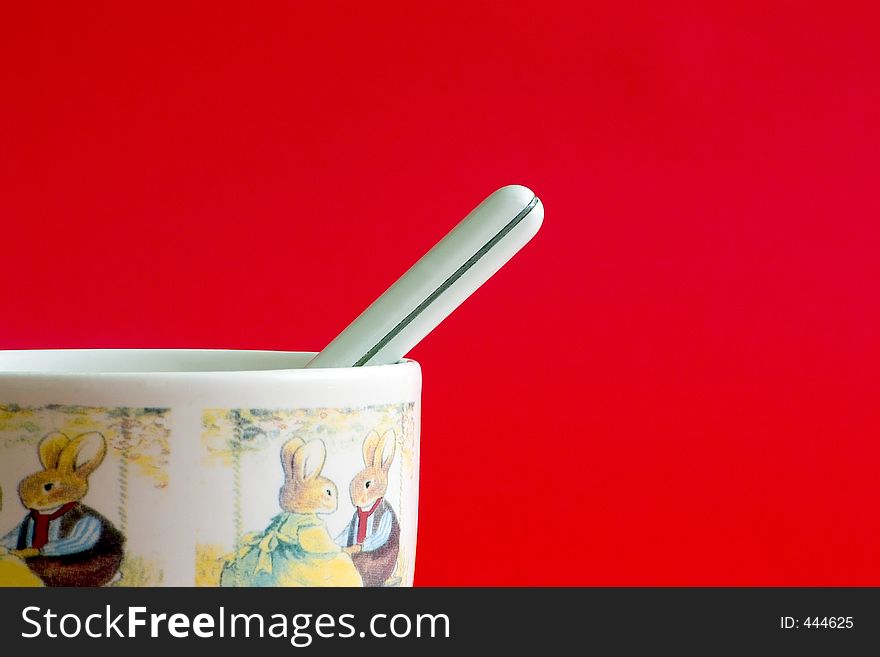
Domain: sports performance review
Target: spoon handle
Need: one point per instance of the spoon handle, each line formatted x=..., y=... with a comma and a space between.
x=438, y=283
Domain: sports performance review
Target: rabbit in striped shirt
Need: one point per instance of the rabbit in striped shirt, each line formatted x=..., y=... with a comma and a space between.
x=63, y=541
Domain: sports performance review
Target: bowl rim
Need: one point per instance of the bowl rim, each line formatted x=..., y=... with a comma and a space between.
x=89, y=363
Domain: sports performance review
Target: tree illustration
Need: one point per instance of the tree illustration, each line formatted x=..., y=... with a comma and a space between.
x=406, y=442
x=230, y=435
x=17, y=425
x=140, y=437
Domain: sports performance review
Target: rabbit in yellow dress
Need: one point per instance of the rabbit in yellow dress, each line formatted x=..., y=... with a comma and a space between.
x=14, y=571
x=296, y=549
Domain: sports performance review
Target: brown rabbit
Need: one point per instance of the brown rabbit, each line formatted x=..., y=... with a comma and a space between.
x=372, y=538
x=63, y=541
x=304, y=489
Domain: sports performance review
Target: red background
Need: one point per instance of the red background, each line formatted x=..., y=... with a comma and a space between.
x=675, y=383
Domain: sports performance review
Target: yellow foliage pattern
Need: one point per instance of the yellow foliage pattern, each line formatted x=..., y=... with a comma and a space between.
x=140, y=434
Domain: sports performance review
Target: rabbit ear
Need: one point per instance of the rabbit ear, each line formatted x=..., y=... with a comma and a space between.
x=84, y=454
x=385, y=450
x=308, y=461
x=371, y=442
x=50, y=449
x=287, y=452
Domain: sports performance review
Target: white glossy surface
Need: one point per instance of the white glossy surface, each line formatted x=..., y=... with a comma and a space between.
x=188, y=383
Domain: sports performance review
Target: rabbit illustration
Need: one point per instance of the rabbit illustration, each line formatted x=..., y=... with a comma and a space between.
x=13, y=570
x=63, y=541
x=296, y=549
x=372, y=538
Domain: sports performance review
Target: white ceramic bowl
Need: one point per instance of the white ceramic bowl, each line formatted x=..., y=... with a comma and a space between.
x=206, y=468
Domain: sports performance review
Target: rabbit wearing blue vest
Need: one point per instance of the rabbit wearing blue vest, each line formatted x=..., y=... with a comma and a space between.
x=372, y=538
